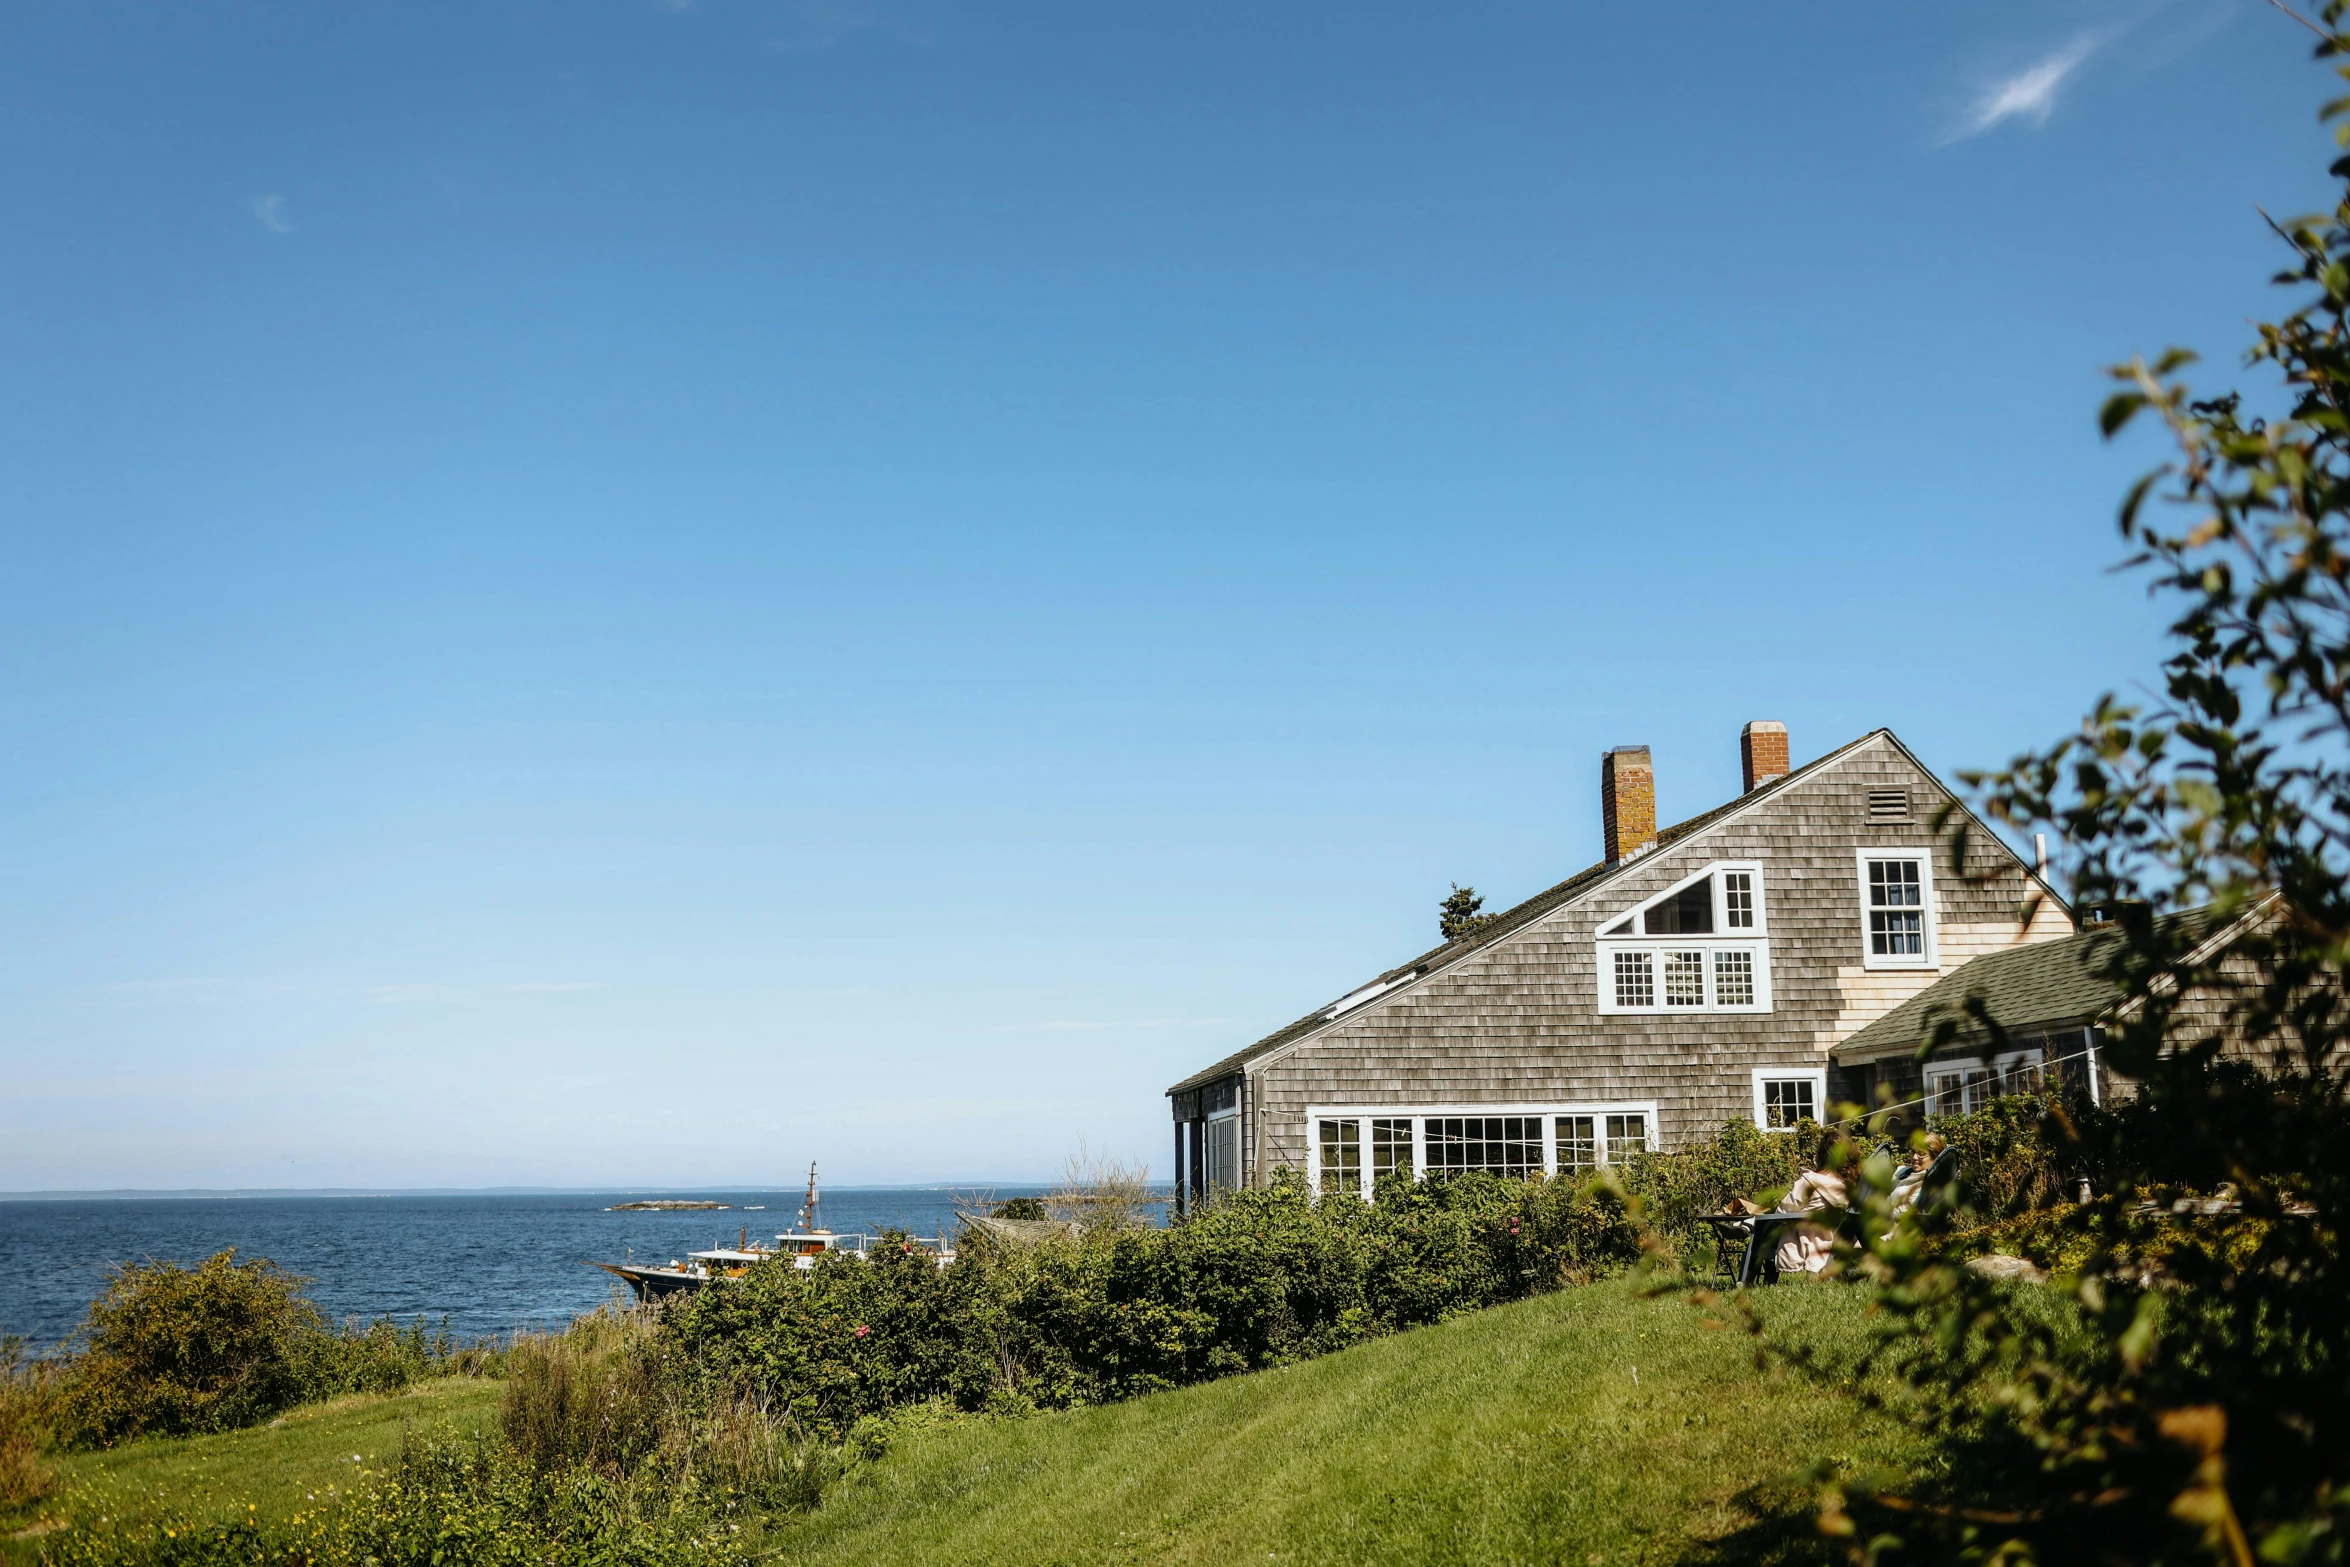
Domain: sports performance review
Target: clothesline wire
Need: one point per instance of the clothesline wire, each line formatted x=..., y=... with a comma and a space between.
x=1856, y=1120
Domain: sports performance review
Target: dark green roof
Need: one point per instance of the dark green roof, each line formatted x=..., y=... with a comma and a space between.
x=1507, y=922
x=2048, y=984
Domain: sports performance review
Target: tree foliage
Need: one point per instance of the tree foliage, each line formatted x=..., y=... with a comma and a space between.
x=1457, y=915
x=2196, y=1405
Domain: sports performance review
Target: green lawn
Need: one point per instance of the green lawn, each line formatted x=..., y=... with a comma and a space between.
x=276, y=1468
x=1589, y=1426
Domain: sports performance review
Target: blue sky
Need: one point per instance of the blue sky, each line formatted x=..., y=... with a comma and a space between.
x=635, y=593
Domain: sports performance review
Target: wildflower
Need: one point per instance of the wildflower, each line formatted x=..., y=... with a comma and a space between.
x=862, y=1330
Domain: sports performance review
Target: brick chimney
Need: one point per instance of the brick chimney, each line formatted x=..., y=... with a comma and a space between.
x=1627, y=801
x=1762, y=751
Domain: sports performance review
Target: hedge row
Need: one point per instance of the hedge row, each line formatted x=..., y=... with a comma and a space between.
x=1262, y=1278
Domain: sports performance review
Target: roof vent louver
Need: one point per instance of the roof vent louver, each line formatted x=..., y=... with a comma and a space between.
x=1888, y=805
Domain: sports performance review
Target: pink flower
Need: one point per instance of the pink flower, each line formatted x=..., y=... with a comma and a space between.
x=862, y=1330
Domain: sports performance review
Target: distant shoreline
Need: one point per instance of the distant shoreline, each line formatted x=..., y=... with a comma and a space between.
x=264, y=1193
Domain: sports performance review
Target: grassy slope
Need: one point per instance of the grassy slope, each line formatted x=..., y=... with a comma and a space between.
x=277, y=1467
x=1587, y=1426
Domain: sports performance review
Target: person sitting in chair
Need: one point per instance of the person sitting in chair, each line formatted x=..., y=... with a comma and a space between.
x=1806, y=1248
x=1912, y=1181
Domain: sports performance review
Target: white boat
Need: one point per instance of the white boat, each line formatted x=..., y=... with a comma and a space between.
x=802, y=1246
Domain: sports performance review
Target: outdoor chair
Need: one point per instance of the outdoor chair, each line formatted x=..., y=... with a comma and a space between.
x=1746, y=1246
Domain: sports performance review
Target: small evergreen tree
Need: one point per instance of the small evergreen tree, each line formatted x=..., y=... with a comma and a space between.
x=1457, y=915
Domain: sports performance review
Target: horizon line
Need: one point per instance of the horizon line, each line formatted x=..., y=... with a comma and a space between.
x=67, y=1194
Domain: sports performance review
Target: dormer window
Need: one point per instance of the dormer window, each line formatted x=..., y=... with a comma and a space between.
x=1648, y=961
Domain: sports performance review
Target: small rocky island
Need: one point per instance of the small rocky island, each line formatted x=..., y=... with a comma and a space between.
x=665, y=1205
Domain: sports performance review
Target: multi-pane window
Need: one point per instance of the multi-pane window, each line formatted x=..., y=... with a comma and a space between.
x=1684, y=979
x=2021, y=1072
x=1352, y=1151
x=1223, y=1153
x=1965, y=1086
x=1734, y=979
x=1626, y=1134
x=1896, y=909
x=1635, y=979
x=1697, y=946
x=1496, y=1144
x=1788, y=1101
x=1958, y=1088
x=1578, y=1142
x=1738, y=900
x=1342, y=1156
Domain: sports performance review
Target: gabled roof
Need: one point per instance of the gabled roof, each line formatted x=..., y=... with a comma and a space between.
x=1511, y=921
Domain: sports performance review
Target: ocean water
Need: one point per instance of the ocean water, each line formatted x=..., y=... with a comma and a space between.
x=490, y=1264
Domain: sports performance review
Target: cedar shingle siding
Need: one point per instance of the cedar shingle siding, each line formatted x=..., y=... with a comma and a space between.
x=1512, y=1015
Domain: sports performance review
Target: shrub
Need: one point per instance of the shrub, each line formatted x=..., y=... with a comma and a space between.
x=1676, y=1188
x=449, y=1502
x=170, y=1349
x=2009, y=1160
x=384, y=1357
x=1258, y=1278
x=828, y=1345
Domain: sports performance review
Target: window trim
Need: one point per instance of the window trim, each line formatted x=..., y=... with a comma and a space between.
x=1753, y=940
x=1931, y=958
x=1816, y=1075
x=1209, y=1175
x=1996, y=1071
x=1722, y=928
x=1547, y=1112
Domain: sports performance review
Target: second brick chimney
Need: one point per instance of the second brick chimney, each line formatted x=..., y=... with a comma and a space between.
x=1762, y=751
x=1627, y=800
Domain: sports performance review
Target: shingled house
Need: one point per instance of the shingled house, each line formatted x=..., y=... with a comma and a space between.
x=1695, y=974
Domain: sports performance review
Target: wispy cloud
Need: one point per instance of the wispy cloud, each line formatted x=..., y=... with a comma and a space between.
x=270, y=213
x=812, y=25
x=2030, y=94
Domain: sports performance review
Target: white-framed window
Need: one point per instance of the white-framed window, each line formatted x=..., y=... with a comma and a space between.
x=1349, y=1149
x=1961, y=1085
x=1342, y=1156
x=1494, y=1144
x=1785, y=1096
x=1698, y=946
x=1576, y=1141
x=1897, y=908
x=1627, y=1134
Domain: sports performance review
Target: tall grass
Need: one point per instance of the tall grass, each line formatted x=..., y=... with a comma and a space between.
x=589, y=1398
x=599, y=1399
x=25, y=1393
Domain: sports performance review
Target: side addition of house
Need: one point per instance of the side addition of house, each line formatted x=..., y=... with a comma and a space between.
x=1694, y=975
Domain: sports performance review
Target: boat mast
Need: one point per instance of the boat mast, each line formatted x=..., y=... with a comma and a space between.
x=808, y=1208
